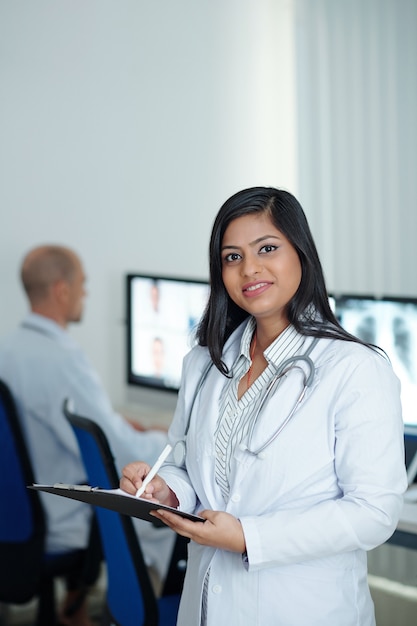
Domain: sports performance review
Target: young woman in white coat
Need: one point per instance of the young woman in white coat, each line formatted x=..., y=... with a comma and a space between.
x=290, y=445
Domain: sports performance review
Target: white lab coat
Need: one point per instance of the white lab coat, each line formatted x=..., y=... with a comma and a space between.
x=329, y=489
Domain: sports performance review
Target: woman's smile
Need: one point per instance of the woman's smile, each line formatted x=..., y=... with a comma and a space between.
x=255, y=289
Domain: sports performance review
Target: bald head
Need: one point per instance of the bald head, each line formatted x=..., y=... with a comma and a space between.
x=44, y=266
x=53, y=279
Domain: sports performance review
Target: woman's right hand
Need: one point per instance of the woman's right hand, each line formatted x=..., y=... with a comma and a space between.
x=158, y=491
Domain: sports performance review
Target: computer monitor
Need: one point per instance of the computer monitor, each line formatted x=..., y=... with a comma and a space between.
x=410, y=449
x=390, y=323
x=162, y=316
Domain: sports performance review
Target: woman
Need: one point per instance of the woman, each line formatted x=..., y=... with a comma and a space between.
x=296, y=477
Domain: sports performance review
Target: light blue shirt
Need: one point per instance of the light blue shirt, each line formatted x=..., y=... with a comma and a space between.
x=43, y=365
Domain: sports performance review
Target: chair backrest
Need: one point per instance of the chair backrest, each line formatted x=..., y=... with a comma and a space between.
x=22, y=521
x=130, y=596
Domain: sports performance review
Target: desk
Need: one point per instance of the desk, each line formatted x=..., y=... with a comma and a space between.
x=148, y=417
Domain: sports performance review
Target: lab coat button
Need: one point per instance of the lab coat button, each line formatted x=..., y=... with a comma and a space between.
x=217, y=588
x=235, y=497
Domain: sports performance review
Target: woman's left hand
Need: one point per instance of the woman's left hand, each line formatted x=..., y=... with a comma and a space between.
x=220, y=530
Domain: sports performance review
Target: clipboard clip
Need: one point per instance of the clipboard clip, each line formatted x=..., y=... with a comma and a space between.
x=73, y=487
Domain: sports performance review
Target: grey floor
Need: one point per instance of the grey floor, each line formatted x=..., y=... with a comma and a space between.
x=24, y=615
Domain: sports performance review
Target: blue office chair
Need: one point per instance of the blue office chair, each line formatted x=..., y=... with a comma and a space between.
x=131, y=600
x=26, y=571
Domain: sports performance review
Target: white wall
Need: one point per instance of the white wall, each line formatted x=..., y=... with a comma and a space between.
x=357, y=102
x=124, y=125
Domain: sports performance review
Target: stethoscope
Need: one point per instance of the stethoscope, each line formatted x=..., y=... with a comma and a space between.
x=180, y=448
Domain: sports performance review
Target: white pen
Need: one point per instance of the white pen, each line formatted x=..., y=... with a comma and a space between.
x=154, y=469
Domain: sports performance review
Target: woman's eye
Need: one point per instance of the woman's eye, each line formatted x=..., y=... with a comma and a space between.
x=268, y=248
x=233, y=256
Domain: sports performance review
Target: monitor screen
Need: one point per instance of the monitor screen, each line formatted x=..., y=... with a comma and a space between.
x=391, y=324
x=162, y=316
x=410, y=448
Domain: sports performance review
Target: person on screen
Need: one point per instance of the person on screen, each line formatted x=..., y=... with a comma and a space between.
x=158, y=357
x=290, y=445
x=154, y=296
x=43, y=365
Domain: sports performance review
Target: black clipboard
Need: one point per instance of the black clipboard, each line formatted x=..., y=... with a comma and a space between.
x=115, y=500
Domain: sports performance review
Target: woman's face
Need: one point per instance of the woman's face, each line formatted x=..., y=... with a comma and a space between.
x=261, y=270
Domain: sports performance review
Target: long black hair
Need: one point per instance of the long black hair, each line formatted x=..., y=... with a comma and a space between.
x=308, y=310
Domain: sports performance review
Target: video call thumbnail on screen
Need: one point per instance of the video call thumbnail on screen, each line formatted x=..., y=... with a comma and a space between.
x=164, y=315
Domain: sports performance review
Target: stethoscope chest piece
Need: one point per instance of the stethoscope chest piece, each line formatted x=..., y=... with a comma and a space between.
x=179, y=453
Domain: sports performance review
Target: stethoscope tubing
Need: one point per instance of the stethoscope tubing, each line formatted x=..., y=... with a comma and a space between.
x=283, y=370
x=307, y=383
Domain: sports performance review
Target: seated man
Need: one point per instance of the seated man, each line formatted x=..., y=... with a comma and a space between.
x=42, y=365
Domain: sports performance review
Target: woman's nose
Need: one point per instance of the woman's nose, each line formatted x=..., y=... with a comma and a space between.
x=251, y=265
